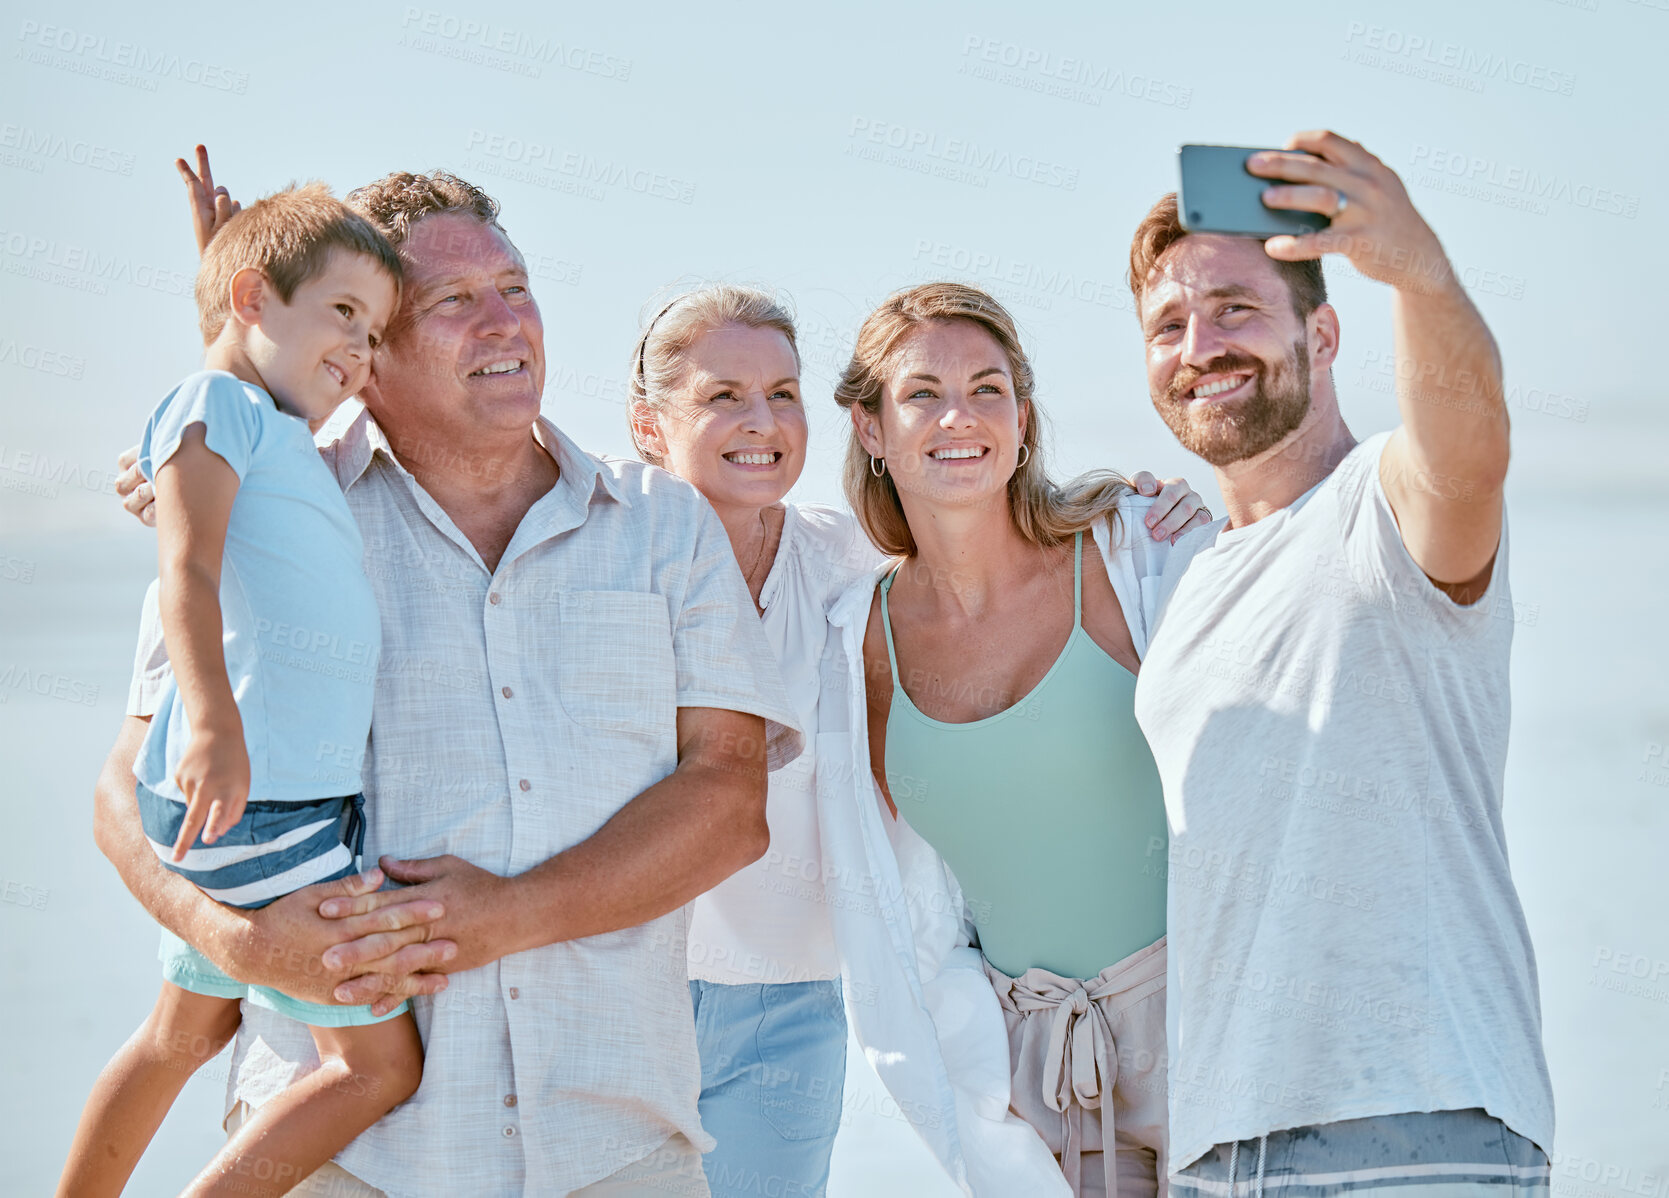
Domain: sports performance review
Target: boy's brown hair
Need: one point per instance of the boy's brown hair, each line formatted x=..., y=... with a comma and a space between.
x=289, y=237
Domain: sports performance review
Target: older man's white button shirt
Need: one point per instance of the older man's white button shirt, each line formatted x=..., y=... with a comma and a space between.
x=517, y=711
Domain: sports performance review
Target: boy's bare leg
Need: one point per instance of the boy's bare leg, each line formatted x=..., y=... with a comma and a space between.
x=364, y=1073
x=139, y=1085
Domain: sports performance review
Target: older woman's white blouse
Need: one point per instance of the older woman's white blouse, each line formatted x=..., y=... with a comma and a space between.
x=769, y=922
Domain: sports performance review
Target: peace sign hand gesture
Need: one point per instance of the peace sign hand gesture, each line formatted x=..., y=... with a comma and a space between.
x=211, y=206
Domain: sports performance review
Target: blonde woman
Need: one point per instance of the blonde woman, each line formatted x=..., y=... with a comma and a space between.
x=984, y=682
x=716, y=399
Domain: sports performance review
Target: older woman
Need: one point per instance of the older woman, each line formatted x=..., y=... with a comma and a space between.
x=985, y=685
x=716, y=400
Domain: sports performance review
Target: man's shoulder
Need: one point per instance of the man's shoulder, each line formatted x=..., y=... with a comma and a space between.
x=1352, y=479
x=638, y=484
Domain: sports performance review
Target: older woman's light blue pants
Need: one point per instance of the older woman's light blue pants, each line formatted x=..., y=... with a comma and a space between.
x=773, y=1065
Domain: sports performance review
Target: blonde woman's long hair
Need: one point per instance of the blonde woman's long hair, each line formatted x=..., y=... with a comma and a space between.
x=1044, y=513
x=658, y=360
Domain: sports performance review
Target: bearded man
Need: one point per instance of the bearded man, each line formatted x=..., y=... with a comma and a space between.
x=1353, y=999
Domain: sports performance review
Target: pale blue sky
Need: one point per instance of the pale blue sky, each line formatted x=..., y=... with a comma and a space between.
x=752, y=119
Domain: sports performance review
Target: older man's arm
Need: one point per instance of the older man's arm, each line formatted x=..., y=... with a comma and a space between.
x=286, y=944
x=678, y=839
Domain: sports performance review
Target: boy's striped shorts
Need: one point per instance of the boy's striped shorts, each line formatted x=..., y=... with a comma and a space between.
x=276, y=848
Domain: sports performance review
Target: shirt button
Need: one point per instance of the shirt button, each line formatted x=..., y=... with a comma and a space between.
x=494, y=598
x=505, y=691
x=514, y=992
x=509, y=1100
x=509, y=1131
x=525, y=784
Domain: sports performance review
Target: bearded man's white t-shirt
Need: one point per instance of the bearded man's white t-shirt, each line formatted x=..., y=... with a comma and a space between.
x=1331, y=730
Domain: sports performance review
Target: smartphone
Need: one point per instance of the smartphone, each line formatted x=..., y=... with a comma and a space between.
x=1219, y=195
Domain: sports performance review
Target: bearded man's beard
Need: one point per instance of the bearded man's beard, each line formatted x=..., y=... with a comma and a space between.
x=1222, y=432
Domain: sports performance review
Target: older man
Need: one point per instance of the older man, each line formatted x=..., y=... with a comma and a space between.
x=571, y=716
x=1353, y=997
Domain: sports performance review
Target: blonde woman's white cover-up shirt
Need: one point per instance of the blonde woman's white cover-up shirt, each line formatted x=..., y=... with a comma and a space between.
x=769, y=922
x=517, y=710
x=916, y=992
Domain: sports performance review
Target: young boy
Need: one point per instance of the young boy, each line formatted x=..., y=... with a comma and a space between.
x=273, y=636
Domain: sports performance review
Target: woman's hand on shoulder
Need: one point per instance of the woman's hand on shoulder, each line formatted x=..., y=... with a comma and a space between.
x=1177, y=508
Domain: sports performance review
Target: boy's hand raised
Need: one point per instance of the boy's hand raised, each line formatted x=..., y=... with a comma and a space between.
x=211, y=206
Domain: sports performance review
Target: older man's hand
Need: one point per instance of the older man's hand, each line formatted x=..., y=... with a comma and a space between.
x=383, y=943
x=138, y=496
x=481, y=920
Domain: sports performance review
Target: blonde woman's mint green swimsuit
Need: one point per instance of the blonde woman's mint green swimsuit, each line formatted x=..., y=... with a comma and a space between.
x=1049, y=813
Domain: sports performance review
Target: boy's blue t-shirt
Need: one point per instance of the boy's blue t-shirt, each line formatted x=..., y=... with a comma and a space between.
x=300, y=624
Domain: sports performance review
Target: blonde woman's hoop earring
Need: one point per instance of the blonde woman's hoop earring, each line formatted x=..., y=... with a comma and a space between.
x=1025, y=456
x=875, y=461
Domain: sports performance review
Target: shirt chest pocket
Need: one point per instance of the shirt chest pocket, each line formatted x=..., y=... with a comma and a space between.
x=616, y=671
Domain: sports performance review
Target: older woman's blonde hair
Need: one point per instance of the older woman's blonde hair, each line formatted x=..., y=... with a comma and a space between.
x=1044, y=513
x=658, y=360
